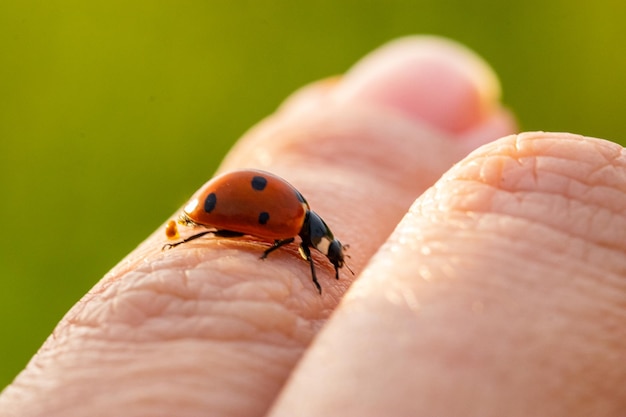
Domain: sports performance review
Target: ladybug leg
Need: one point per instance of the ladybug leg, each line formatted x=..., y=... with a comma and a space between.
x=218, y=233
x=190, y=238
x=306, y=254
x=277, y=244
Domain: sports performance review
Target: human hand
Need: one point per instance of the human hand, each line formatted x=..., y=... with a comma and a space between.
x=500, y=292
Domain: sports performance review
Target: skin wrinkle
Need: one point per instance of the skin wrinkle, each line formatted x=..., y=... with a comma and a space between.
x=595, y=208
x=296, y=137
x=513, y=257
x=134, y=370
x=132, y=315
x=613, y=253
x=527, y=344
x=92, y=347
x=471, y=247
x=553, y=179
x=589, y=200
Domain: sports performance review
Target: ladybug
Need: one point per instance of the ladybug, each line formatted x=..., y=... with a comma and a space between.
x=260, y=204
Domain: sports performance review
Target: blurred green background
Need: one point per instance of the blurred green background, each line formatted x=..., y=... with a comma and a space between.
x=113, y=112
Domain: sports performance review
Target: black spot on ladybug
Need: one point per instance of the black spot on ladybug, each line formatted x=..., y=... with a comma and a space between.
x=264, y=216
x=210, y=202
x=259, y=183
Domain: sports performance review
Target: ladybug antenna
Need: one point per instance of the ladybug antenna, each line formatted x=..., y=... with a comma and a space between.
x=344, y=247
x=348, y=266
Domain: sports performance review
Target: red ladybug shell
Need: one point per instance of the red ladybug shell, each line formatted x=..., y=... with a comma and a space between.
x=250, y=202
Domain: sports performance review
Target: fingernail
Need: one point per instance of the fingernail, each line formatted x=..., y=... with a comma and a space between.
x=431, y=79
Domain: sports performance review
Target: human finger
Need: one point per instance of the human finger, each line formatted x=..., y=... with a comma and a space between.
x=501, y=292
x=207, y=327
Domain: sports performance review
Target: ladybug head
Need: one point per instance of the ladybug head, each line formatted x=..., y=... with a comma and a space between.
x=335, y=255
x=316, y=234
